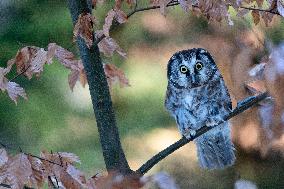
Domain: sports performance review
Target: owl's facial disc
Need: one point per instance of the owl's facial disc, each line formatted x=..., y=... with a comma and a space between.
x=191, y=68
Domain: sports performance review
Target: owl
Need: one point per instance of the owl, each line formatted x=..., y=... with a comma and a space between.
x=196, y=97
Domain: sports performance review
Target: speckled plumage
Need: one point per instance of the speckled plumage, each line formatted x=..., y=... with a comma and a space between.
x=199, y=97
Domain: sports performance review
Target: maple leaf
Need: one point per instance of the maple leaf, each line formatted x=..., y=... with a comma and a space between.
x=84, y=28
x=14, y=91
x=115, y=74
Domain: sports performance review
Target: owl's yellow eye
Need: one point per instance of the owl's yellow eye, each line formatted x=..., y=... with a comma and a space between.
x=183, y=69
x=198, y=66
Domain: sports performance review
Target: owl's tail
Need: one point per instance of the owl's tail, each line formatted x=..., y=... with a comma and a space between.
x=215, y=149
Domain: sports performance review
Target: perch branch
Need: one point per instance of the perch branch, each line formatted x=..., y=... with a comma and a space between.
x=247, y=103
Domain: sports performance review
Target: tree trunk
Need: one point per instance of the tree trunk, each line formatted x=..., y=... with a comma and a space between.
x=112, y=151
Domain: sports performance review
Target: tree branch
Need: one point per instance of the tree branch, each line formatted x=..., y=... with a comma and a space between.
x=174, y=3
x=109, y=138
x=244, y=105
x=261, y=10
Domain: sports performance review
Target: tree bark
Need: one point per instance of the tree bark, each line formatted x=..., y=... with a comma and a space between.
x=112, y=151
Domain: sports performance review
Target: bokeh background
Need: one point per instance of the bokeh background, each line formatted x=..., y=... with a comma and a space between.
x=56, y=119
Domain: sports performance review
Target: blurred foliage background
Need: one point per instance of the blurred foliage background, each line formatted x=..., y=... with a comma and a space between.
x=54, y=118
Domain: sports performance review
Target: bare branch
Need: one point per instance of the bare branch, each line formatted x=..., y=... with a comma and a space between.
x=244, y=105
x=5, y=185
x=29, y=154
x=24, y=71
x=261, y=10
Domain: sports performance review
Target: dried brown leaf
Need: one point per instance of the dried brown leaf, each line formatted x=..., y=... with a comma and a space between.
x=259, y=3
x=14, y=91
x=73, y=77
x=242, y=12
x=108, y=45
x=162, y=4
x=65, y=57
x=94, y=3
x=37, y=63
x=280, y=7
x=108, y=22
x=162, y=179
x=3, y=157
x=52, y=47
x=84, y=28
x=256, y=87
x=38, y=172
x=120, y=16
x=255, y=16
x=76, y=175
x=24, y=58
x=3, y=79
x=68, y=157
x=115, y=74
x=185, y=4
x=17, y=172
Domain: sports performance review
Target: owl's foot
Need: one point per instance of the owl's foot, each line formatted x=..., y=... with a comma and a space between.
x=189, y=133
x=213, y=121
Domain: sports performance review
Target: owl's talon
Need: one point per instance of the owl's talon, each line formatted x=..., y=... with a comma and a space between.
x=211, y=122
x=192, y=133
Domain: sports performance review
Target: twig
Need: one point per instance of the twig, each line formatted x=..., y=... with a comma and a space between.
x=29, y=154
x=24, y=71
x=261, y=10
x=5, y=185
x=173, y=3
x=183, y=141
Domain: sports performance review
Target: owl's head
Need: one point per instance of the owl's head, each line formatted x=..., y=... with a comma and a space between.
x=192, y=68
